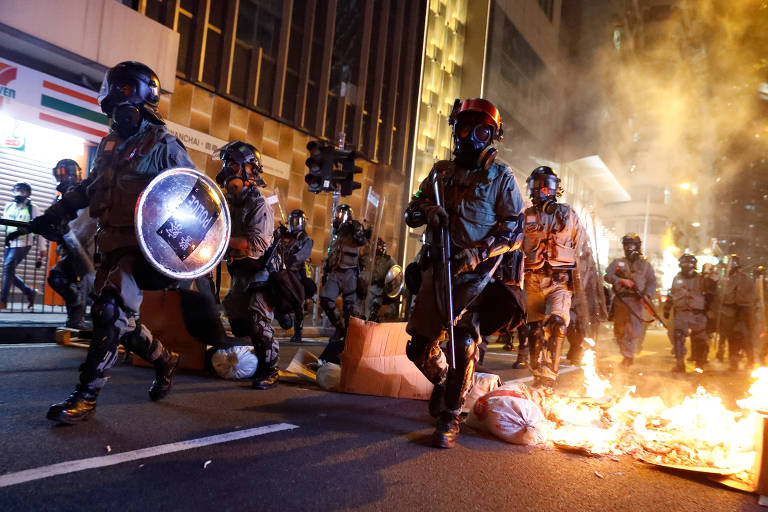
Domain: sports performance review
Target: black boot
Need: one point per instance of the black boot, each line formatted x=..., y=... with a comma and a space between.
x=298, y=327
x=165, y=366
x=447, y=431
x=77, y=408
x=679, y=365
x=436, y=400
x=266, y=379
x=522, y=359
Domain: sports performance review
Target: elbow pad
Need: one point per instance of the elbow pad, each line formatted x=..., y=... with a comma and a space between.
x=415, y=216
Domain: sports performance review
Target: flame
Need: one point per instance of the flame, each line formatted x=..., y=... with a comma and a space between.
x=699, y=432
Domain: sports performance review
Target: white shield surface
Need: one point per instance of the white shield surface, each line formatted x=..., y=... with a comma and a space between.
x=182, y=223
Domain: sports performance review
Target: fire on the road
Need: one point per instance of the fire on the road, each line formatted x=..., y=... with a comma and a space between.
x=699, y=433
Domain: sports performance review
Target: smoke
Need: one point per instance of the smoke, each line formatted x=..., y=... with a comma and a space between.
x=678, y=88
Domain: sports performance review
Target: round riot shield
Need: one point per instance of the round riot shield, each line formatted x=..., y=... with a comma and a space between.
x=182, y=223
x=393, y=281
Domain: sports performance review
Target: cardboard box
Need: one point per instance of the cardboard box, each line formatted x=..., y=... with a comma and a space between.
x=161, y=313
x=374, y=362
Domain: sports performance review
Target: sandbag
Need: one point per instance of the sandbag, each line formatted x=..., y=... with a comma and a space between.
x=510, y=414
x=482, y=384
x=235, y=363
x=329, y=376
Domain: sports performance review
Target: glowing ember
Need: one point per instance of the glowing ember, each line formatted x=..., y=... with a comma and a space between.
x=698, y=433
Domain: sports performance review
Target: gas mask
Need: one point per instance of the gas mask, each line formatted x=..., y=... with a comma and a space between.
x=473, y=135
x=688, y=269
x=632, y=251
x=126, y=119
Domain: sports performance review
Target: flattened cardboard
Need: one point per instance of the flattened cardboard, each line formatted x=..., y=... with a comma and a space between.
x=161, y=313
x=374, y=362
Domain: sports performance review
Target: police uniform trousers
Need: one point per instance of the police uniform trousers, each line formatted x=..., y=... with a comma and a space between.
x=736, y=326
x=342, y=282
x=119, y=280
x=426, y=326
x=249, y=315
x=547, y=296
x=628, y=324
x=694, y=323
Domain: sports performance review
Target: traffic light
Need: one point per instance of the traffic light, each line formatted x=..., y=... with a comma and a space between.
x=344, y=178
x=331, y=169
x=320, y=165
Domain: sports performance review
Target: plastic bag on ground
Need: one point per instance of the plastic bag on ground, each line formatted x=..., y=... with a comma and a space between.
x=302, y=367
x=510, y=414
x=235, y=362
x=482, y=384
x=329, y=376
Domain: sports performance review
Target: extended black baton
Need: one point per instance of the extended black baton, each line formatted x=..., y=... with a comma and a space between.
x=445, y=240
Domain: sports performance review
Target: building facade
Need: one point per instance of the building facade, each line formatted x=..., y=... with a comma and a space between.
x=276, y=74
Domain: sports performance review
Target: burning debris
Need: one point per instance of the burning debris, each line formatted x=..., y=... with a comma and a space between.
x=698, y=434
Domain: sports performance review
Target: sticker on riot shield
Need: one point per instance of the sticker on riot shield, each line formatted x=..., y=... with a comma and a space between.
x=190, y=221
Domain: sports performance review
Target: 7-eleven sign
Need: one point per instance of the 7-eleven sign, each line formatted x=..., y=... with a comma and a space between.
x=7, y=75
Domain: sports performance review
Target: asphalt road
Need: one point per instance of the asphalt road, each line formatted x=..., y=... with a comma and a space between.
x=346, y=452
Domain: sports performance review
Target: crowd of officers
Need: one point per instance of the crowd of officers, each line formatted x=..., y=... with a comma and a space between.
x=488, y=264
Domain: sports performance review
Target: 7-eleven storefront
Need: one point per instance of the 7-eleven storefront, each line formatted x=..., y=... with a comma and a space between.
x=42, y=120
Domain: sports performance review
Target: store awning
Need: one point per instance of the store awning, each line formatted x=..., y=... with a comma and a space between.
x=593, y=170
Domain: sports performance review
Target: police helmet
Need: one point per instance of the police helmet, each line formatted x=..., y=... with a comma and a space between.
x=67, y=168
x=240, y=160
x=297, y=221
x=342, y=214
x=131, y=82
x=543, y=185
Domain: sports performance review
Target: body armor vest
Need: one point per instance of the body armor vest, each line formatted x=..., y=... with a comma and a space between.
x=687, y=293
x=549, y=238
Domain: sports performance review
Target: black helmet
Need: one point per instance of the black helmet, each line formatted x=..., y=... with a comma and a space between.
x=297, y=221
x=381, y=246
x=133, y=83
x=632, y=245
x=544, y=186
x=23, y=187
x=734, y=262
x=688, y=263
x=342, y=214
x=235, y=156
x=476, y=126
x=67, y=168
x=21, y=191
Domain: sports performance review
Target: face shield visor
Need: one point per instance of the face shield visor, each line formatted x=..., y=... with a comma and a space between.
x=542, y=188
x=296, y=223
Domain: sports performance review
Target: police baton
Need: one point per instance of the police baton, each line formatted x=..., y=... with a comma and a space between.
x=445, y=242
x=22, y=225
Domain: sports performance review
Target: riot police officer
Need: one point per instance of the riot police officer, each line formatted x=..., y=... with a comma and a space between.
x=553, y=238
x=691, y=296
x=736, y=313
x=72, y=276
x=382, y=263
x=137, y=148
x=251, y=257
x=341, y=269
x=480, y=209
x=631, y=276
x=295, y=247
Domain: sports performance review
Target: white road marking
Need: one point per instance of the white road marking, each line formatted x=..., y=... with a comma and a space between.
x=73, y=466
x=28, y=345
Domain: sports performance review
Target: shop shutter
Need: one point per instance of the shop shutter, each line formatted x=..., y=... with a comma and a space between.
x=18, y=166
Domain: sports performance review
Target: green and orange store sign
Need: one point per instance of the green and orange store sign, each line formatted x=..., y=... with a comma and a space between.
x=35, y=97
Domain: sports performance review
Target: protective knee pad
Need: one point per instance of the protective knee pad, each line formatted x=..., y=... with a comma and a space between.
x=416, y=349
x=105, y=310
x=57, y=280
x=556, y=327
x=465, y=345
